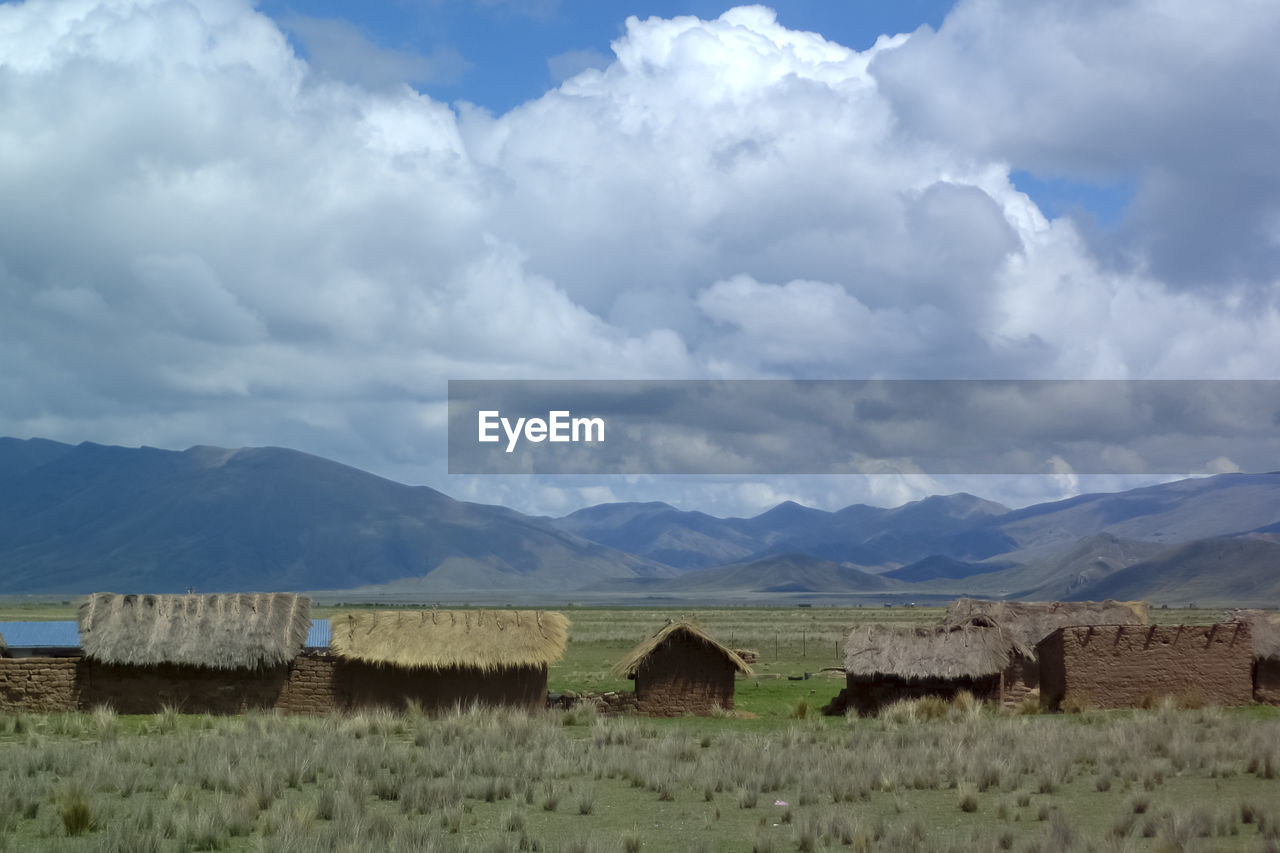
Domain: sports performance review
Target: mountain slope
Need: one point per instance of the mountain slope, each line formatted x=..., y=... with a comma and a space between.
x=1239, y=570
x=100, y=517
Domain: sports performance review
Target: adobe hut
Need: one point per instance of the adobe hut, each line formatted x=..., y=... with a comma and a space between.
x=886, y=663
x=442, y=658
x=197, y=653
x=1264, y=626
x=1128, y=666
x=680, y=670
x=1026, y=623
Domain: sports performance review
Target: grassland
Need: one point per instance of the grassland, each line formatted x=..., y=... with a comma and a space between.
x=776, y=777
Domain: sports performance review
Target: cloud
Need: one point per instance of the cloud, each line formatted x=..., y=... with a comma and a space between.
x=338, y=50
x=562, y=66
x=1176, y=95
x=205, y=238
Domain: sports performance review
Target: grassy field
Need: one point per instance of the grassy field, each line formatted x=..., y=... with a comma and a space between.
x=776, y=776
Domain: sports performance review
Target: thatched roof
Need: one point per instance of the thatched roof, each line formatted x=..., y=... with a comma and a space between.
x=445, y=639
x=677, y=630
x=1264, y=625
x=970, y=651
x=215, y=631
x=1028, y=622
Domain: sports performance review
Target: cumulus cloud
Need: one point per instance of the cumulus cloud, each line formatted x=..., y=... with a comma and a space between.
x=205, y=238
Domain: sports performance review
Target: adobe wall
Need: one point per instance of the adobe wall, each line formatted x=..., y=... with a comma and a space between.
x=360, y=685
x=684, y=676
x=190, y=689
x=1266, y=681
x=868, y=694
x=1115, y=666
x=311, y=684
x=39, y=685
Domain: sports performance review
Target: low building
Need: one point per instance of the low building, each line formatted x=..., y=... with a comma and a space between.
x=195, y=653
x=1264, y=626
x=680, y=670
x=1026, y=623
x=438, y=659
x=887, y=663
x=1130, y=666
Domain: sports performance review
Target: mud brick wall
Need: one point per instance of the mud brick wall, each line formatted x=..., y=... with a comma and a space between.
x=1020, y=679
x=684, y=676
x=1266, y=681
x=190, y=689
x=361, y=685
x=868, y=694
x=1123, y=666
x=310, y=688
x=39, y=685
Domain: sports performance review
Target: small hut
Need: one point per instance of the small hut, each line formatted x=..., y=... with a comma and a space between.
x=1026, y=623
x=1265, y=628
x=440, y=659
x=885, y=663
x=198, y=653
x=680, y=670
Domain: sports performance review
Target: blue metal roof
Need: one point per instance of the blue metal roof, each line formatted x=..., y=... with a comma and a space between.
x=19, y=635
x=318, y=636
x=59, y=634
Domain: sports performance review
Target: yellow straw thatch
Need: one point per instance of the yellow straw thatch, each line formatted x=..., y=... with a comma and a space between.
x=1028, y=622
x=1265, y=627
x=687, y=630
x=215, y=631
x=926, y=653
x=444, y=639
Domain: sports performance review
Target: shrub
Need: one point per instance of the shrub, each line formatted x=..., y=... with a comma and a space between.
x=77, y=817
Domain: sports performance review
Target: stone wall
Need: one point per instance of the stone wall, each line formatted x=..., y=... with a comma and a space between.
x=1126, y=666
x=311, y=684
x=1266, y=681
x=39, y=685
x=683, y=676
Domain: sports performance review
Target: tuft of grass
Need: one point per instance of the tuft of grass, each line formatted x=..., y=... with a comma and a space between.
x=76, y=816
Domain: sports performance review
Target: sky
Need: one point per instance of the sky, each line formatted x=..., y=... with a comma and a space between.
x=292, y=223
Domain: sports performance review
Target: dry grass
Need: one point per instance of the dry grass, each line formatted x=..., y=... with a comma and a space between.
x=442, y=639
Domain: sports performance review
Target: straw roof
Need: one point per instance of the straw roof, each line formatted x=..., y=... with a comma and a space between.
x=677, y=630
x=1264, y=626
x=444, y=639
x=969, y=651
x=214, y=631
x=1028, y=622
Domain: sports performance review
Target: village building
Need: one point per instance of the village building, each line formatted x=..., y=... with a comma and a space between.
x=196, y=653
x=438, y=659
x=1132, y=666
x=680, y=670
x=1026, y=623
x=1264, y=627
x=885, y=663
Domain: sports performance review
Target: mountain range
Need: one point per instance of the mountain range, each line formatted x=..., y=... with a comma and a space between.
x=79, y=518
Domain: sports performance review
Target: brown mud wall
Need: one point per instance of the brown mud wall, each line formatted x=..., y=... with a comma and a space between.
x=311, y=684
x=1127, y=666
x=1266, y=681
x=683, y=676
x=868, y=694
x=1020, y=679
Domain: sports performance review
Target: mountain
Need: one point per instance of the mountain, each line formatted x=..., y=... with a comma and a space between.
x=781, y=573
x=1232, y=569
x=90, y=517
x=865, y=536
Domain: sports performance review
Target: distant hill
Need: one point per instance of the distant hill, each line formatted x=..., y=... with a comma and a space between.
x=1237, y=569
x=93, y=517
x=774, y=574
